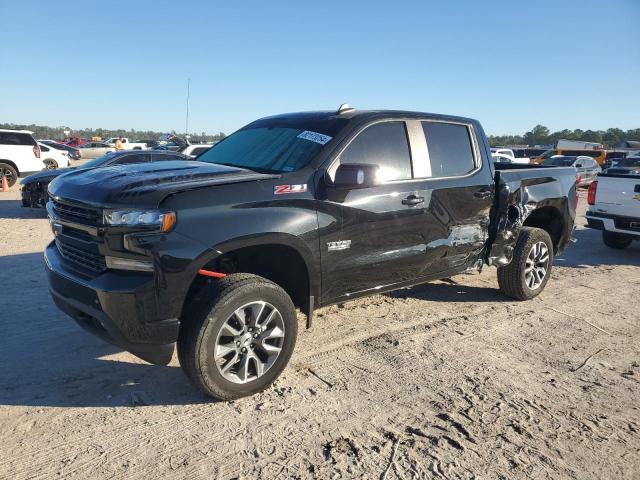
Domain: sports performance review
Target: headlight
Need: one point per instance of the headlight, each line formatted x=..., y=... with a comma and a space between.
x=141, y=218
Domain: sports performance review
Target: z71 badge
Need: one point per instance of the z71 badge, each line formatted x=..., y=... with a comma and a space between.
x=282, y=189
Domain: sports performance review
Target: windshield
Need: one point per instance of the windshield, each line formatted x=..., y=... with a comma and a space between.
x=629, y=162
x=96, y=162
x=267, y=149
x=559, y=161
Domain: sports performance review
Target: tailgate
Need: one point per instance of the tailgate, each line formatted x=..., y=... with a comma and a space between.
x=619, y=195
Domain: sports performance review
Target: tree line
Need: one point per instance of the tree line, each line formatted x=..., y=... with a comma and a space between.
x=540, y=135
x=57, y=133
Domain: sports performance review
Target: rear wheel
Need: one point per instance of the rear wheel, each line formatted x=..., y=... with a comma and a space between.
x=9, y=172
x=50, y=164
x=530, y=268
x=616, y=240
x=237, y=336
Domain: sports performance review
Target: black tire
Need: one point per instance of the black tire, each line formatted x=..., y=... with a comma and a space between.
x=10, y=172
x=204, y=318
x=50, y=164
x=616, y=240
x=512, y=277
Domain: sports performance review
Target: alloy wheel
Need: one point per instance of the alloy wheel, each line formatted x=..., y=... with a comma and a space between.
x=249, y=342
x=537, y=265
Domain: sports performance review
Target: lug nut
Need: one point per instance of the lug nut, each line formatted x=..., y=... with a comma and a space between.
x=244, y=350
x=253, y=345
x=255, y=335
x=237, y=344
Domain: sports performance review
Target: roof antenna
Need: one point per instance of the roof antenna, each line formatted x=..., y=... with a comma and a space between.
x=345, y=108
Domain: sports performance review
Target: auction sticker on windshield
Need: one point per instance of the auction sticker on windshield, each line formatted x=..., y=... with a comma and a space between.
x=315, y=137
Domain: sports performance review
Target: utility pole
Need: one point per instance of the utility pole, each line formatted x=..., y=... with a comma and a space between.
x=186, y=123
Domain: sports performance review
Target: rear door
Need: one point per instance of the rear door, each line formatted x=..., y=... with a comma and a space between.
x=458, y=191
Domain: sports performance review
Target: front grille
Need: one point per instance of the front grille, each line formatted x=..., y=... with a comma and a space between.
x=88, y=260
x=77, y=214
x=627, y=223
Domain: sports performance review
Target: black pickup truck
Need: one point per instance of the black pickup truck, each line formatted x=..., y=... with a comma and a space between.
x=293, y=211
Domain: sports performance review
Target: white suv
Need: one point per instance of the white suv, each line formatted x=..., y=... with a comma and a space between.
x=19, y=154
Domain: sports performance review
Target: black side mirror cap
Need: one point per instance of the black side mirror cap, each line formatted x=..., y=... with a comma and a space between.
x=356, y=175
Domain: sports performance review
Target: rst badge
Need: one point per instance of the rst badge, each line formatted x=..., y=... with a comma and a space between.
x=282, y=189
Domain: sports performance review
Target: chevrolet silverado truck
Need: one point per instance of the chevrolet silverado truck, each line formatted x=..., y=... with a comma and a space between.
x=295, y=211
x=614, y=207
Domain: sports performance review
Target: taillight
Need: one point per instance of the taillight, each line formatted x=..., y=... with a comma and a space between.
x=591, y=195
x=36, y=151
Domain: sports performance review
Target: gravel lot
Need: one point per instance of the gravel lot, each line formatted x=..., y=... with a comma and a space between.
x=445, y=380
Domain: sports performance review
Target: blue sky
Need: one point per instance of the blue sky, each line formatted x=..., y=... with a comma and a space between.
x=510, y=64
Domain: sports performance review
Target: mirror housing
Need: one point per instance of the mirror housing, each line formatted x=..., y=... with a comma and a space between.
x=356, y=175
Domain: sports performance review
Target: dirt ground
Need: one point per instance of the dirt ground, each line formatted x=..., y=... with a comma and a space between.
x=446, y=380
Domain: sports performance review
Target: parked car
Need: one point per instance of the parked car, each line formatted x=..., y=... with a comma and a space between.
x=626, y=166
x=586, y=167
x=195, y=150
x=74, y=141
x=293, y=211
x=500, y=158
x=506, y=152
x=20, y=155
x=600, y=156
x=74, y=153
x=34, y=187
x=53, y=158
x=128, y=145
x=95, y=149
x=614, y=208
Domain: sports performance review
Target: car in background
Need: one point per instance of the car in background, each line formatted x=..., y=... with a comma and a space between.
x=126, y=143
x=53, y=158
x=586, y=167
x=74, y=141
x=600, y=156
x=507, y=152
x=34, y=187
x=196, y=149
x=501, y=158
x=74, y=153
x=626, y=166
x=20, y=155
x=95, y=149
x=614, y=208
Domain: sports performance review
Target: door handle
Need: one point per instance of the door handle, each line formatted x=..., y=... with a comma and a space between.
x=412, y=200
x=482, y=194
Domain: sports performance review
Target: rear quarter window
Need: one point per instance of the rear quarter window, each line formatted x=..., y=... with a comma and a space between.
x=450, y=149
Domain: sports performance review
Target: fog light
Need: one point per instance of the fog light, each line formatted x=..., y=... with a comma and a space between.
x=120, y=263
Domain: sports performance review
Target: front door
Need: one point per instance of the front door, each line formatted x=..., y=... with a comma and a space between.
x=372, y=237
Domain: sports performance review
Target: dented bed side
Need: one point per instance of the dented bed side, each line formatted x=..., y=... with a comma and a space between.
x=542, y=197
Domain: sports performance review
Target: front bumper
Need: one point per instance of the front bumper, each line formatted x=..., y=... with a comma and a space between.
x=613, y=223
x=118, y=306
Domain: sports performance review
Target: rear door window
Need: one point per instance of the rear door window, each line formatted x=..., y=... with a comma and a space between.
x=384, y=144
x=450, y=149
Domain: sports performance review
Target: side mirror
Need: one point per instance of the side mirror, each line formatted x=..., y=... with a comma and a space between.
x=356, y=175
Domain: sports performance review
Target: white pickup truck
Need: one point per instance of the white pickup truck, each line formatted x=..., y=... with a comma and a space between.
x=127, y=144
x=614, y=208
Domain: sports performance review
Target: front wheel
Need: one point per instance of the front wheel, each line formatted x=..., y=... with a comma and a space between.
x=237, y=336
x=616, y=240
x=530, y=268
x=10, y=173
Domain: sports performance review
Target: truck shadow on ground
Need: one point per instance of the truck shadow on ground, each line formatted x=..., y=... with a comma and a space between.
x=14, y=209
x=590, y=251
x=46, y=360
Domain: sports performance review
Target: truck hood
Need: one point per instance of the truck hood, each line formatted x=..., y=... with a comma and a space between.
x=46, y=175
x=144, y=185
